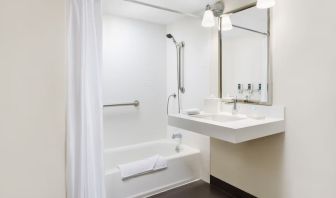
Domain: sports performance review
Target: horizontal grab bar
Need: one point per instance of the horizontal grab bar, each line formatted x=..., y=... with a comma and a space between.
x=136, y=103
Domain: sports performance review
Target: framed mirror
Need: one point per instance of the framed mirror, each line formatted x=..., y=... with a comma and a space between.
x=245, y=71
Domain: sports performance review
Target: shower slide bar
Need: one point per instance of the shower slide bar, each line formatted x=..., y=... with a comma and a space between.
x=136, y=103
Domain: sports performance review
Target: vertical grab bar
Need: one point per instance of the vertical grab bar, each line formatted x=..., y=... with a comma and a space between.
x=180, y=72
x=180, y=63
x=178, y=66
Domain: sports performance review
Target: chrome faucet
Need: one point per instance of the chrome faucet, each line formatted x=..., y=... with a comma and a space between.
x=234, y=108
x=179, y=137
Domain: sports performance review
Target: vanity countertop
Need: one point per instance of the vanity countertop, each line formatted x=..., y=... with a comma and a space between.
x=232, y=128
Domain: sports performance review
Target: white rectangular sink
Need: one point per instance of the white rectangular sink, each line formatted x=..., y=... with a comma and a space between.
x=233, y=128
x=219, y=117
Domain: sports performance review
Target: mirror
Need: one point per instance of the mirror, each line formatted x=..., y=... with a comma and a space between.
x=245, y=58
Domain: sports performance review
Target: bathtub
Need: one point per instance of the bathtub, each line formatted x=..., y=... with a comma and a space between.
x=183, y=167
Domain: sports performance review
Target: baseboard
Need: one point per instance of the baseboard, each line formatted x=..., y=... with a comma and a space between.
x=229, y=189
x=164, y=188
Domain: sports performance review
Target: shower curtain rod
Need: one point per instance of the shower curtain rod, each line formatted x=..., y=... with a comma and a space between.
x=242, y=8
x=248, y=6
x=163, y=8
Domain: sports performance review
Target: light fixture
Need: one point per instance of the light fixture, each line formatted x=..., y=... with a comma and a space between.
x=226, y=22
x=264, y=4
x=208, y=17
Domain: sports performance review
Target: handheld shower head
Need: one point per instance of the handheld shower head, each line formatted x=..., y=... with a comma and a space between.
x=180, y=69
x=170, y=36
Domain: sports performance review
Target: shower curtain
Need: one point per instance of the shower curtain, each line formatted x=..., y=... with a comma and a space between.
x=85, y=172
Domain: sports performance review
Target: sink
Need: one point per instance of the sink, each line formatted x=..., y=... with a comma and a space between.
x=219, y=117
x=233, y=128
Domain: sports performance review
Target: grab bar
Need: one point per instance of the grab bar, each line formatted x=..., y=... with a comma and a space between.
x=180, y=66
x=136, y=103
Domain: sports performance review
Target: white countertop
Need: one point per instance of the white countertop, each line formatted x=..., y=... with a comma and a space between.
x=235, y=131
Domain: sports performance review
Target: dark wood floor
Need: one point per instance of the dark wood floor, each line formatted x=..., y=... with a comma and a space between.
x=198, y=189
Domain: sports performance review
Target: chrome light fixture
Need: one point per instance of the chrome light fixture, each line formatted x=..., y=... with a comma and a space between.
x=212, y=11
x=208, y=17
x=226, y=22
x=264, y=4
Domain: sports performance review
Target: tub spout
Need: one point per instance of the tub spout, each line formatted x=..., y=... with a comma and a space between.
x=177, y=136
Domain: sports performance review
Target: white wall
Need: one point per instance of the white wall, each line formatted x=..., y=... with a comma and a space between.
x=32, y=99
x=199, y=57
x=302, y=162
x=134, y=68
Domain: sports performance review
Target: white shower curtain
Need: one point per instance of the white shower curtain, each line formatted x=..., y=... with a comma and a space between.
x=85, y=172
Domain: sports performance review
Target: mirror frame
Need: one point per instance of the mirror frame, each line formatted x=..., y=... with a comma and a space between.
x=269, y=59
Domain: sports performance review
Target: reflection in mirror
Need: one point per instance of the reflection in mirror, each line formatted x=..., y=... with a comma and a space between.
x=245, y=64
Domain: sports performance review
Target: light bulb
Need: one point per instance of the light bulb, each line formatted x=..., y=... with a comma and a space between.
x=264, y=4
x=208, y=18
x=226, y=22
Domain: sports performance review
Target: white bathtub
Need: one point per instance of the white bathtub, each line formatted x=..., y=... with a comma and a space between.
x=183, y=167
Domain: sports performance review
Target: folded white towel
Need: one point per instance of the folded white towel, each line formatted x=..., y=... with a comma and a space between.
x=192, y=111
x=140, y=167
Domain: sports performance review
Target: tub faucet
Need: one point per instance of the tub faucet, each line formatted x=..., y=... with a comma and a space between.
x=179, y=141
